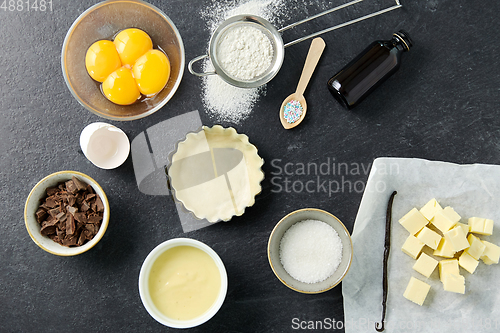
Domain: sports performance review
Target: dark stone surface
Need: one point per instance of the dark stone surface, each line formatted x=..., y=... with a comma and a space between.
x=441, y=105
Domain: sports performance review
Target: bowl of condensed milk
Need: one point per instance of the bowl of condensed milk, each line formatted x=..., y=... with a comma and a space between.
x=182, y=283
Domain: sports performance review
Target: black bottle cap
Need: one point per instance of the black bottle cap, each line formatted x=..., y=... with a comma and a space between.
x=405, y=39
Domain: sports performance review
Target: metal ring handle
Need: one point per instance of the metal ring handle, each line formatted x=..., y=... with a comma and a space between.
x=398, y=5
x=191, y=70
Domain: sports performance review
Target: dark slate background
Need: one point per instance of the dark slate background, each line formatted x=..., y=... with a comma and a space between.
x=441, y=105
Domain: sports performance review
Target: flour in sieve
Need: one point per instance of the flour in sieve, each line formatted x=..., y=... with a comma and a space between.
x=245, y=52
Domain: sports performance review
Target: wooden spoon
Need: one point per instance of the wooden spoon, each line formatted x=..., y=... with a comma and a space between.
x=313, y=56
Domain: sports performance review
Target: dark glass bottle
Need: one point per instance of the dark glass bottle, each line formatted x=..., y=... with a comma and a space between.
x=369, y=69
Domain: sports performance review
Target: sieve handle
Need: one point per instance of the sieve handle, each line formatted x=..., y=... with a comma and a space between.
x=192, y=71
x=398, y=5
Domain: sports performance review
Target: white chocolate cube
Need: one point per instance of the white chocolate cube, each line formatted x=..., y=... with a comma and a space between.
x=430, y=209
x=412, y=246
x=442, y=221
x=444, y=249
x=464, y=226
x=413, y=221
x=476, y=248
x=491, y=253
x=488, y=227
x=454, y=283
x=416, y=291
x=457, y=239
x=449, y=266
x=425, y=265
x=429, y=237
x=476, y=224
x=467, y=262
x=481, y=226
x=451, y=214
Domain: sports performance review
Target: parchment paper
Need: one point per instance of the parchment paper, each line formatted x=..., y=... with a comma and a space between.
x=472, y=190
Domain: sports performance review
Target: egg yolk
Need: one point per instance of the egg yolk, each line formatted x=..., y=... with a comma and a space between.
x=131, y=44
x=102, y=59
x=120, y=87
x=151, y=72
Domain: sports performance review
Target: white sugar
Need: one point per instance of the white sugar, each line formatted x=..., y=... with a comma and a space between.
x=310, y=251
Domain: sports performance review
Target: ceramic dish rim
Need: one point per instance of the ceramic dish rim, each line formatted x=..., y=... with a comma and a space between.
x=273, y=265
x=64, y=250
x=144, y=288
x=91, y=109
x=217, y=127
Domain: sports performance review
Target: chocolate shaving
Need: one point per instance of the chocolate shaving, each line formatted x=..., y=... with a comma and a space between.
x=81, y=217
x=54, y=237
x=54, y=212
x=70, y=225
x=52, y=190
x=48, y=230
x=49, y=223
x=71, y=214
x=51, y=202
x=95, y=219
x=72, y=210
x=78, y=183
x=40, y=214
x=61, y=226
x=51, y=220
x=81, y=239
x=99, y=204
x=79, y=198
x=90, y=189
x=44, y=206
x=85, y=206
x=92, y=228
x=69, y=241
x=71, y=200
x=71, y=187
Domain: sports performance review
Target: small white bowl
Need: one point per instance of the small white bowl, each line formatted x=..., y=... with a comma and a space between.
x=273, y=250
x=144, y=283
x=105, y=145
x=34, y=200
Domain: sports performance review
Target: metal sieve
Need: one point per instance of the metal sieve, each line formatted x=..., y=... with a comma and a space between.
x=274, y=37
x=237, y=21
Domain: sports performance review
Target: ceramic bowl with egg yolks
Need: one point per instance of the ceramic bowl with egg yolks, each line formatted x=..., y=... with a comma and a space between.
x=117, y=15
x=182, y=283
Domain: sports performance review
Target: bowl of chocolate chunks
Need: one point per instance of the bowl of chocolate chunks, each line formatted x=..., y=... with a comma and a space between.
x=66, y=213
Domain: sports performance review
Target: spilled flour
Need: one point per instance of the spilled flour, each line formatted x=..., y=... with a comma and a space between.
x=224, y=102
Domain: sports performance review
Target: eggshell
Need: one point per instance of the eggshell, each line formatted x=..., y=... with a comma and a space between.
x=105, y=145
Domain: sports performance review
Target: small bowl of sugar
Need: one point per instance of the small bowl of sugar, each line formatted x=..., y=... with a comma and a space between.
x=310, y=251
